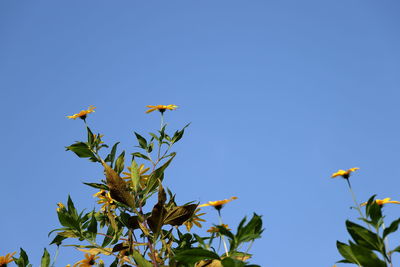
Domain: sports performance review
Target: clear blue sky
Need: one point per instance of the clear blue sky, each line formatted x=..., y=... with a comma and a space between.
x=280, y=94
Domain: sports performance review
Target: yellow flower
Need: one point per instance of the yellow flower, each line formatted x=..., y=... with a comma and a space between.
x=218, y=204
x=105, y=199
x=142, y=171
x=60, y=207
x=343, y=173
x=194, y=220
x=6, y=259
x=216, y=230
x=89, y=260
x=380, y=202
x=82, y=115
x=161, y=108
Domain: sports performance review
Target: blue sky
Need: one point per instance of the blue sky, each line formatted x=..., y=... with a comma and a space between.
x=280, y=95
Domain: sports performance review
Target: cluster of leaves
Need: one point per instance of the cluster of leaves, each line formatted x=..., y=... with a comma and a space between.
x=369, y=247
x=123, y=229
x=188, y=254
x=23, y=260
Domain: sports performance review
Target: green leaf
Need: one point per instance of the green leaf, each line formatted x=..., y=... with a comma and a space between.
x=229, y=262
x=92, y=229
x=82, y=150
x=140, y=155
x=65, y=219
x=142, y=141
x=135, y=177
x=23, y=260
x=120, y=163
x=58, y=240
x=156, y=176
x=155, y=221
x=179, y=134
x=225, y=232
x=90, y=137
x=133, y=222
x=114, y=263
x=71, y=208
x=108, y=237
x=179, y=215
x=200, y=240
x=251, y=231
x=150, y=147
x=111, y=157
x=120, y=246
x=45, y=259
x=397, y=249
x=193, y=255
x=162, y=133
x=366, y=257
x=369, y=203
x=240, y=226
x=185, y=241
x=97, y=186
x=68, y=234
x=392, y=228
x=343, y=261
x=373, y=211
x=364, y=237
x=154, y=136
x=346, y=252
x=140, y=261
x=359, y=255
x=69, y=218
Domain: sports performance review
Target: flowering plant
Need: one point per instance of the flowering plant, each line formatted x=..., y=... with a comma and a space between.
x=129, y=230
x=369, y=246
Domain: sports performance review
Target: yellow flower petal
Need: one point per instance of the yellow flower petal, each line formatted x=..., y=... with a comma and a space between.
x=195, y=219
x=161, y=108
x=89, y=260
x=218, y=204
x=4, y=260
x=343, y=173
x=381, y=202
x=83, y=113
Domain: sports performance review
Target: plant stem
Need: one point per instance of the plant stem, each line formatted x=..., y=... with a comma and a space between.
x=162, y=120
x=160, y=141
x=356, y=203
x=55, y=257
x=222, y=236
x=354, y=199
x=152, y=252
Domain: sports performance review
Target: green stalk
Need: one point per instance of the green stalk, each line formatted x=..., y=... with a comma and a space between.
x=222, y=236
x=355, y=199
x=356, y=203
x=162, y=120
x=55, y=257
x=160, y=142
